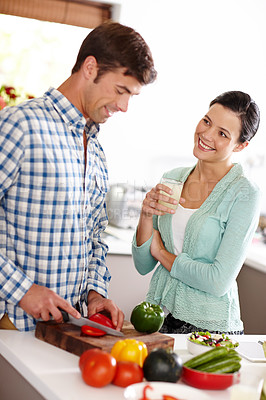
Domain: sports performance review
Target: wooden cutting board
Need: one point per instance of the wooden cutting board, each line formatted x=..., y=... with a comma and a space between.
x=68, y=337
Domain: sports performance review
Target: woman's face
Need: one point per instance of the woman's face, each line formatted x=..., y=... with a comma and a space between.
x=217, y=135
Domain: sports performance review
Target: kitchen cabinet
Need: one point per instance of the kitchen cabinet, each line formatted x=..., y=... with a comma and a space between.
x=11, y=391
x=252, y=295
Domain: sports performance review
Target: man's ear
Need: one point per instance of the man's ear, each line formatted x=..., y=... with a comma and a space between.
x=241, y=146
x=90, y=67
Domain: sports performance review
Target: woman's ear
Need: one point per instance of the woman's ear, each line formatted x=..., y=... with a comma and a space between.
x=90, y=67
x=241, y=146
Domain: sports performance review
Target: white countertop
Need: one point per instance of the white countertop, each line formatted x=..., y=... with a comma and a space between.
x=55, y=373
x=256, y=257
x=119, y=242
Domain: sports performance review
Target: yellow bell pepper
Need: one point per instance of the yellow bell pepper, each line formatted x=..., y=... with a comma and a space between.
x=130, y=350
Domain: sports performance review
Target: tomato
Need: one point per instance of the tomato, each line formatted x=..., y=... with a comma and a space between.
x=101, y=319
x=97, y=367
x=85, y=355
x=127, y=373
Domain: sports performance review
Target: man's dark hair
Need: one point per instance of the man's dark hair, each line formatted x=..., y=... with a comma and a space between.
x=114, y=46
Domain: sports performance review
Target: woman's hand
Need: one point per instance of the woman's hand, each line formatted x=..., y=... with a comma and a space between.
x=151, y=205
x=156, y=245
x=159, y=252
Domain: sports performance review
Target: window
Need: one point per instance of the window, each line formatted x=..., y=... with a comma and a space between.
x=37, y=54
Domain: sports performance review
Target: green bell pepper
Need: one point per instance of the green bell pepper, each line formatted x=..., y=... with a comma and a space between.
x=147, y=317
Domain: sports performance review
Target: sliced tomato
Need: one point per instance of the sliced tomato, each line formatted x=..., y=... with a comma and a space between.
x=101, y=319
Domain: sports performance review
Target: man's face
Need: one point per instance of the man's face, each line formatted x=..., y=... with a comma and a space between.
x=110, y=94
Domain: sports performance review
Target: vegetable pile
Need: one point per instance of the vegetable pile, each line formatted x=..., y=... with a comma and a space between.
x=216, y=340
x=129, y=361
x=123, y=366
x=219, y=360
x=99, y=368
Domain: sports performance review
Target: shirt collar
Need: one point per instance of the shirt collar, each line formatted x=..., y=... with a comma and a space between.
x=69, y=113
x=92, y=128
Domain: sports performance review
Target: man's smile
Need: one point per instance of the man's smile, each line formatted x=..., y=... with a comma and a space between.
x=109, y=111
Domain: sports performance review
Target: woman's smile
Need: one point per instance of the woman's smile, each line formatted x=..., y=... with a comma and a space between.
x=203, y=146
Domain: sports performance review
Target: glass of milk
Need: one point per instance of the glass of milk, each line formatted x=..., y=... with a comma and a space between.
x=176, y=187
x=249, y=387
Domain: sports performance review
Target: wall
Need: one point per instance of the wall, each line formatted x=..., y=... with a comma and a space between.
x=201, y=49
x=127, y=287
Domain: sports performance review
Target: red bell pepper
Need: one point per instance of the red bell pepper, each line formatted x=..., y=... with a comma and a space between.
x=101, y=319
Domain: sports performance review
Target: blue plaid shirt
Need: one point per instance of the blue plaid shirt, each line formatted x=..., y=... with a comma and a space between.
x=52, y=211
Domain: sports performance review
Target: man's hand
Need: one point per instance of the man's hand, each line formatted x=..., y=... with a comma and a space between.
x=41, y=302
x=97, y=303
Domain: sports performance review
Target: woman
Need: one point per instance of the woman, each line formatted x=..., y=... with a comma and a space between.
x=202, y=246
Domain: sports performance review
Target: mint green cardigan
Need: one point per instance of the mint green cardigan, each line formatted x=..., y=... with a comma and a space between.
x=201, y=288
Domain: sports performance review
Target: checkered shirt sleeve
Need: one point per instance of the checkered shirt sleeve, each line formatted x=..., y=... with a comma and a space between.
x=52, y=209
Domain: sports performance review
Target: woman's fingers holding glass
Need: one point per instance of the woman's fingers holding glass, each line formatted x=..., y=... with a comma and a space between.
x=163, y=188
x=171, y=190
x=182, y=200
x=157, y=203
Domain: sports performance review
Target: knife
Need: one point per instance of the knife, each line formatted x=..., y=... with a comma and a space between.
x=85, y=321
x=263, y=346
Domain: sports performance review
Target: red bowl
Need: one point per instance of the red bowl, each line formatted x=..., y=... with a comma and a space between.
x=207, y=380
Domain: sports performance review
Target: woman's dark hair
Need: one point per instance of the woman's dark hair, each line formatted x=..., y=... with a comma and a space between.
x=114, y=46
x=246, y=109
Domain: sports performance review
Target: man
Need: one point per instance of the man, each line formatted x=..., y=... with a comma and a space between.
x=53, y=182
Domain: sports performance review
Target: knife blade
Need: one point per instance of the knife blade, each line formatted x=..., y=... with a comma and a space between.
x=263, y=346
x=85, y=321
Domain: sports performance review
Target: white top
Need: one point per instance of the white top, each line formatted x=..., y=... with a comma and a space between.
x=179, y=223
x=57, y=375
